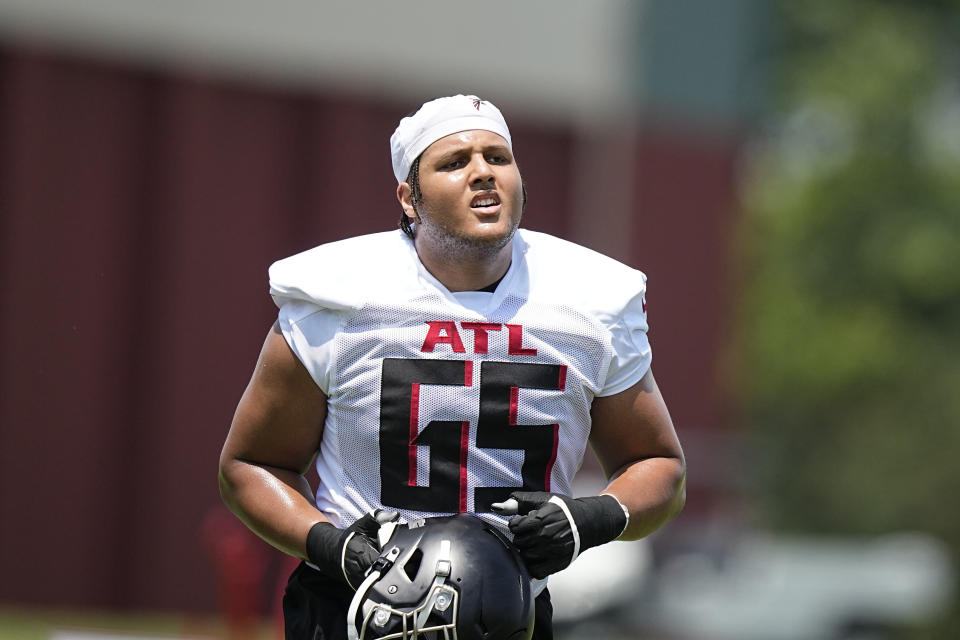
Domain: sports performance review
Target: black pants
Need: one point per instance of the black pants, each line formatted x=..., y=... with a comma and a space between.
x=315, y=608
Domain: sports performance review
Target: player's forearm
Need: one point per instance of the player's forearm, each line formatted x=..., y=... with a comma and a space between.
x=653, y=491
x=275, y=503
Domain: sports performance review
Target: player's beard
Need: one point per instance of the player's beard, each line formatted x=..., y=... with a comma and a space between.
x=457, y=246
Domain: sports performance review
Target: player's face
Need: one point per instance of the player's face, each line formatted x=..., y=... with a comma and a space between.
x=472, y=194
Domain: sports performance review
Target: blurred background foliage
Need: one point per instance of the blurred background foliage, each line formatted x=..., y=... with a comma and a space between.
x=848, y=346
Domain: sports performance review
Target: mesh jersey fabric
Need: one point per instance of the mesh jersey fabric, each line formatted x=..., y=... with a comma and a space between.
x=442, y=402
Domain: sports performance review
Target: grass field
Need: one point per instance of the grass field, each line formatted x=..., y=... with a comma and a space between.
x=20, y=624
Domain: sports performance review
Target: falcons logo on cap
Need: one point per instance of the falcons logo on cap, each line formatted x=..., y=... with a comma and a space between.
x=476, y=103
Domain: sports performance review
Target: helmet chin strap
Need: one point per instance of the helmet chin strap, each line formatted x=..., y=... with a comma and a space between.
x=379, y=567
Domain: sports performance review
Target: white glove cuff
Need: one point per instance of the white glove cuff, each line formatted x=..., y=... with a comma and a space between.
x=573, y=525
x=343, y=558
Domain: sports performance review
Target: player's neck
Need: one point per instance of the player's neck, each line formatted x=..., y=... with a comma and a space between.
x=464, y=274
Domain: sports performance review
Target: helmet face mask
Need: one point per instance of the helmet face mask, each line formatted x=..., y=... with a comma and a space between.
x=452, y=578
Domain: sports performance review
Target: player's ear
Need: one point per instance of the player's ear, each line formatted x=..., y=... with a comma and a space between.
x=405, y=196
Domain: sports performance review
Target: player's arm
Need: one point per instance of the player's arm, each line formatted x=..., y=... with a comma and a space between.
x=275, y=433
x=635, y=442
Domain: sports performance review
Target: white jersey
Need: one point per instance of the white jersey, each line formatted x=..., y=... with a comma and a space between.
x=441, y=402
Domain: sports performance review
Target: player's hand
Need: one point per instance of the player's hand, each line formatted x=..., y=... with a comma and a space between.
x=347, y=554
x=551, y=530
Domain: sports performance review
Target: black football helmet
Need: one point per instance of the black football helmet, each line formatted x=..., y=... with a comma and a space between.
x=449, y=578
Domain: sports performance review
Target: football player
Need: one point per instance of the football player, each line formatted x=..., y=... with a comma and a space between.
x=460, y=364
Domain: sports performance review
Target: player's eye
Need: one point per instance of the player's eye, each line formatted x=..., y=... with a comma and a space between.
x=451, y=165
x=498, y=157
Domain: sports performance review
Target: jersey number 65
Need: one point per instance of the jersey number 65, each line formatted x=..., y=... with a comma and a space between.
x=449, y=441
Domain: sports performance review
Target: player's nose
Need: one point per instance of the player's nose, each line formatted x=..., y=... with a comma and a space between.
x=482, y=170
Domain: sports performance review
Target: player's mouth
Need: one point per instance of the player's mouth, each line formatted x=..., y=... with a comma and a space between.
x=486, y=203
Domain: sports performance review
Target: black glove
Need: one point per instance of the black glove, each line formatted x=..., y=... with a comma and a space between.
x=346, y=554
x=549, y=538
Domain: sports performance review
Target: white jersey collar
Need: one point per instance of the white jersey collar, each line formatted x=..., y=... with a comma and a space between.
x=481, y=302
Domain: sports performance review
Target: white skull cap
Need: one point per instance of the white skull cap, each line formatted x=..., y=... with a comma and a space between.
x=439, y=118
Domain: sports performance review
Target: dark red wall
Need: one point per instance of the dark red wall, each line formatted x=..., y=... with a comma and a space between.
x=684, y=208
x=138, y=214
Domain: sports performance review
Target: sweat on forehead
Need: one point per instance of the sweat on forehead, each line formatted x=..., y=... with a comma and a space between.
x=439, y=118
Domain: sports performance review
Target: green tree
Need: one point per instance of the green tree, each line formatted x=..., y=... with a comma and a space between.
x=848, y=355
